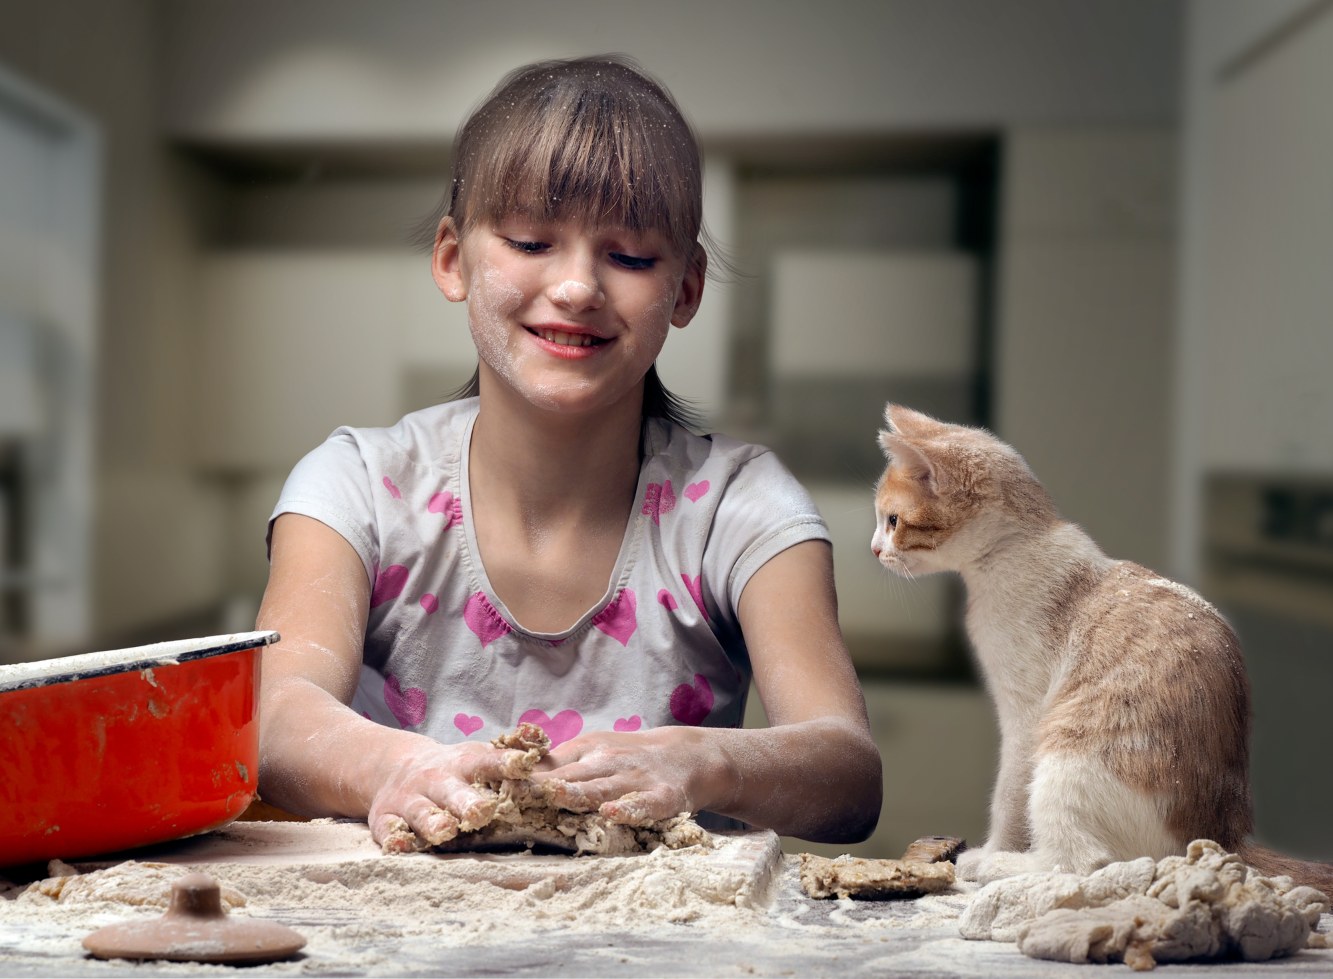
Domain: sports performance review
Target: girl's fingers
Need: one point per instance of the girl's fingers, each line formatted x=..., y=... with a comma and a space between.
x=579, y=771
x=641, y=808
x=581, y=796
x=424, y=821
x=393, y=834
x=430, y=822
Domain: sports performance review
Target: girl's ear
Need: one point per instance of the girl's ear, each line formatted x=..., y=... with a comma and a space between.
x=446, y=262
x=691, y=290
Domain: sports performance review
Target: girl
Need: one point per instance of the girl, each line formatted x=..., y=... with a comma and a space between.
x=558, y=547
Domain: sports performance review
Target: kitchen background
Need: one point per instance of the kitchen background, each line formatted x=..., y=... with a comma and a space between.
x=1102, y=228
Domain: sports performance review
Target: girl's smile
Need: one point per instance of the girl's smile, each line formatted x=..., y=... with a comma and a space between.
x=568, y=341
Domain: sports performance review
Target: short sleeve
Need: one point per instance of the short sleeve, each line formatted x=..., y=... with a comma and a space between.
x=332, y=485
x=764, y=511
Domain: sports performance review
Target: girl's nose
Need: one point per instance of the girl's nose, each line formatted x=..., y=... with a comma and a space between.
x=578, y=292
x=575, y=284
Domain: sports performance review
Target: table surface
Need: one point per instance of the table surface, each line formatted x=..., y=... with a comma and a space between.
x=785, y=934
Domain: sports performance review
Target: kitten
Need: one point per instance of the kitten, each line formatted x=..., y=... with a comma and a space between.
x=1122, y=699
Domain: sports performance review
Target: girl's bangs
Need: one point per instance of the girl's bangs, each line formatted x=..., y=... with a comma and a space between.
x=593, y=170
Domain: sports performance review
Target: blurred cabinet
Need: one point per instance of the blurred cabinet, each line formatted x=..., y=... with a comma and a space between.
x=1266, y=299
x=940, y=749
x=49, y=177
x=295, y=343
x=1084, y=339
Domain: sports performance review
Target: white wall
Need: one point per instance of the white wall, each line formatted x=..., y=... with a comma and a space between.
x=408, y=70
x=1085, y=330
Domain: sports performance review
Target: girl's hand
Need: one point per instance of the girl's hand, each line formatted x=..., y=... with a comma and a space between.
x=427, y=792
x=634, y=779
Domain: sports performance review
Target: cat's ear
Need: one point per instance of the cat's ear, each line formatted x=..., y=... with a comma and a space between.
x=902, y=444
x=907, y=421
x=906, y=456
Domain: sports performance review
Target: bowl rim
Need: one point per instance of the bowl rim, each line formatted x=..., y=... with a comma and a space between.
x=63, y=669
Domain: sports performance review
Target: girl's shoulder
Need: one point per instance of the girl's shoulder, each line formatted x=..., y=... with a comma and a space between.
x=671, y=450
x=427, y=437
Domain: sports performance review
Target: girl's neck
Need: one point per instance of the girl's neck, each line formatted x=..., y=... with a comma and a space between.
x=548, y=463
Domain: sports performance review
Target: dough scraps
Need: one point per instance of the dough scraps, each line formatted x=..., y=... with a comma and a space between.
x=935, y=849
x=1203, y=906
x=524, y=815
x=858, y=877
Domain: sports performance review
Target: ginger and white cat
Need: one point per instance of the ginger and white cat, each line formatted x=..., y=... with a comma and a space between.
x=1122, y=698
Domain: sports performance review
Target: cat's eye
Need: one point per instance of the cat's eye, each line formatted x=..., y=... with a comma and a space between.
x=893, y=520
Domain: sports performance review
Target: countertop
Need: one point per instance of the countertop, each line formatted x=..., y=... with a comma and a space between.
x=739, y=911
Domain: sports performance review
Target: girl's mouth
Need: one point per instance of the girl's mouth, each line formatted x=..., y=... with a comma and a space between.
x=564, y=339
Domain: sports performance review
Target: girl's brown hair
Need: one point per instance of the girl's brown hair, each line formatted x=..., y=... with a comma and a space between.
x=590, y=140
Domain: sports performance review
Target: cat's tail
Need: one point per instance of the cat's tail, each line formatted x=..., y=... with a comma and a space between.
x=1272, y=864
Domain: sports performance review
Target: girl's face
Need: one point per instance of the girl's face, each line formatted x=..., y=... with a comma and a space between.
x=569, y=317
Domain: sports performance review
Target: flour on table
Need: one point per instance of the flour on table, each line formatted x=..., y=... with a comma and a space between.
x=1205, y=905
x=462, y=899
x=146, y=885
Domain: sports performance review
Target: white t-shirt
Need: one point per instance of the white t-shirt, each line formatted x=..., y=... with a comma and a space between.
x=444, y=657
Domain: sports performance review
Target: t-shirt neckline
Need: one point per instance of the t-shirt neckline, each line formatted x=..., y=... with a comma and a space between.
x=624, y=559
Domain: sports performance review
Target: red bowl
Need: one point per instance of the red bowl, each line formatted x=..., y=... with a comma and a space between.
x=112, y=750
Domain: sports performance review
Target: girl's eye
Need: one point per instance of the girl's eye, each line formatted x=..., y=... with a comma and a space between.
x=632, y=262
x=526, y=247
x=893, y=520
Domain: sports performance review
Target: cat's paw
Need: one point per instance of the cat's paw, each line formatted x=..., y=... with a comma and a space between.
x=966, y=863
x=983, y=865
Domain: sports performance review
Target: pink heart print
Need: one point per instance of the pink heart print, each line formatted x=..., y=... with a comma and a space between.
x=447, y=504
x=690, y=703
x=696, y=490
x=407, y=706
x=565, y=725
x=619, y=619
x=658, y=499
x=389, y=584
x=483, y=620
x=695, y=586
x=430, y=603
x=469, y=724
x=632, y=723
x=667, y=599
x=394, y=491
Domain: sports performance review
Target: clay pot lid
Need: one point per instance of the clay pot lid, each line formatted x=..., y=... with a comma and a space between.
x=196, y=928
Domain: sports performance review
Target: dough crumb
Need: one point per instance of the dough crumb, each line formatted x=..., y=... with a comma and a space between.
x=857, y=877
x=521, y=814
x=1203, y=906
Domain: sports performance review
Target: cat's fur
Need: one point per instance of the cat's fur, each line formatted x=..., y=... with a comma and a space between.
x=1122, y=699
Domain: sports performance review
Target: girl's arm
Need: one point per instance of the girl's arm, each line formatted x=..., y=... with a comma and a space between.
x=818, y=751
x=318, y=757
x=814, y=773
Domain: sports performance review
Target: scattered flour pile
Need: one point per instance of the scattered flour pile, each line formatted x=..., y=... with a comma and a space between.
x=1205, y=905
x=459, y=898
